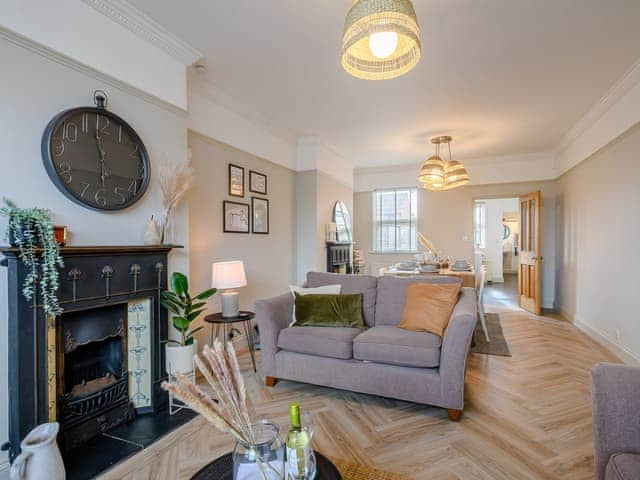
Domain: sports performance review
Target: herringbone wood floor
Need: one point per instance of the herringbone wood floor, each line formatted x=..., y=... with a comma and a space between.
x=526, y=417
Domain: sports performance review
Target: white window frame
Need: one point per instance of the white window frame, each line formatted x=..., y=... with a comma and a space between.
x=480, y=224
x=376, y=222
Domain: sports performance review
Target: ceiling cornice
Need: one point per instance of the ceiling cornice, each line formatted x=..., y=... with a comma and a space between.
x=122, y=12
x=630, y=79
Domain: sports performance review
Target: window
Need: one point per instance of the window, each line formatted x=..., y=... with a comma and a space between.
x=395, y=215
x=479, y=224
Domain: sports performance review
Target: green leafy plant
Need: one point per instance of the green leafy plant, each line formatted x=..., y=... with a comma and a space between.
x=185, y=309
x=31, y=231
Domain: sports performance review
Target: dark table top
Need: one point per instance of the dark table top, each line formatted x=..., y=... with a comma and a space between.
x=222, y=469
x=218, y=318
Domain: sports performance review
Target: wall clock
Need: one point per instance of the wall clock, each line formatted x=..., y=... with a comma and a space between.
x=95, y=158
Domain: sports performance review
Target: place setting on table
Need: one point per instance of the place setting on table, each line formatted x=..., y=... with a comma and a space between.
x=425, y=264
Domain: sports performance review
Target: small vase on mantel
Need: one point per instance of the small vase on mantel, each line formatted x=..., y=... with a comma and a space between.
x=40, y=457
x=152, y=234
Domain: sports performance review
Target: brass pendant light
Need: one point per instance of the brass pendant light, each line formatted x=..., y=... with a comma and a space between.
x=436, y=175
x=381, y=39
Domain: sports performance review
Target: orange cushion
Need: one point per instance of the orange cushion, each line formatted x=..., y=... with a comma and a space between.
x=428, y=306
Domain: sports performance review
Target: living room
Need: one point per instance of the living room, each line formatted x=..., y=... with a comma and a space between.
x=180, y=176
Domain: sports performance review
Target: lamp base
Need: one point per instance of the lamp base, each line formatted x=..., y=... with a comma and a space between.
x=230, y=304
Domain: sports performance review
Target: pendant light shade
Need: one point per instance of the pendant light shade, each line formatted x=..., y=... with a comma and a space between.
x=455, y=175
x=432, y=172
x=437, y=175
x=381, y=39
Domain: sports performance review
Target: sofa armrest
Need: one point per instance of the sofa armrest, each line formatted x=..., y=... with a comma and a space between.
x=615, y=394
x=455, y=349
x=272, y=316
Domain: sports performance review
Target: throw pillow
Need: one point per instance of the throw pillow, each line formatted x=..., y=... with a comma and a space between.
x=329, y=311
x=325, y=289
x=428, y=307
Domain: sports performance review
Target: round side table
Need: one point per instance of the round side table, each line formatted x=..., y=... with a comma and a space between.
x=222, y=469
x=220, y=323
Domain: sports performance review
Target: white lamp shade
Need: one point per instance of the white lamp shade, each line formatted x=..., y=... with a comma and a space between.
x=225, y=275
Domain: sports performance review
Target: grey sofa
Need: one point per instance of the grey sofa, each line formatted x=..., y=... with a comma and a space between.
x=383, y=359
x=615, y=393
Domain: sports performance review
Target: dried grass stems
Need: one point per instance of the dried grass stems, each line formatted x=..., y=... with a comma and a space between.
x=230, y=414
x=175, y=181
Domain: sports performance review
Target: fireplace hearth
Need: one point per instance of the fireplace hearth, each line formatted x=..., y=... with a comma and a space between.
x=96, y=368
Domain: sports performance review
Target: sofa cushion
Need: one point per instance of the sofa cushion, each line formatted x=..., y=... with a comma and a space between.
x=623, y=466
x=395, y=346
x=365, y=284
x=329, y=311
x=428, y=307
x=391, y=295
x=334, y=342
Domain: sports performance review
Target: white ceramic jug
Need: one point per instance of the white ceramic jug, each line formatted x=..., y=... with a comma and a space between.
x=40, y=457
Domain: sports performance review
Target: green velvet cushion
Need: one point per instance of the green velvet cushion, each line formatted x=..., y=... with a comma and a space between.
x=329, y=310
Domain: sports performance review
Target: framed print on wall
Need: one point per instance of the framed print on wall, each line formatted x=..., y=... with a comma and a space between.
x=235, y=217
x=236, y=180
x=260, y=211
x=257, y=182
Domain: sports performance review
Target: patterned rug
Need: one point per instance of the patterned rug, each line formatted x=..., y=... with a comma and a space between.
x=497, y=344
x=352, y=471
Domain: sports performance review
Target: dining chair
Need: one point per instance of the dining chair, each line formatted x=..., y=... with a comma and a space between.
x=481, y=279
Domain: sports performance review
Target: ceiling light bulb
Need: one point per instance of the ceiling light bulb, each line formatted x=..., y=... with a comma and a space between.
x=383, y=44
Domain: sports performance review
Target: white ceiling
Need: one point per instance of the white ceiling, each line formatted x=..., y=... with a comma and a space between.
x=503, y=77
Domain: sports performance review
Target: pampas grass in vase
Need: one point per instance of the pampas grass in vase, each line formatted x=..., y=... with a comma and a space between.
x=175, y=181
x=229, y=412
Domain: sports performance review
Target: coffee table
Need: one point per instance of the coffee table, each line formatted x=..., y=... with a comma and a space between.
x=222, y=469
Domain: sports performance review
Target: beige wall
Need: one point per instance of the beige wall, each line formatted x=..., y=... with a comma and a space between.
x=598, y=233
x=446, y=218
x=316, y=195
x=269, y=259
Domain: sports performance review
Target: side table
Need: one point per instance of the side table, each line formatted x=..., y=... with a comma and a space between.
x=218, y=323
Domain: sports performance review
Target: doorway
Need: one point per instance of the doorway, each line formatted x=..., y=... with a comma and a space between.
x=496, y=226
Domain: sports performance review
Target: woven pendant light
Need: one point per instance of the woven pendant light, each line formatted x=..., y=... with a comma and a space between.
x=381, y=39
x=437, y=175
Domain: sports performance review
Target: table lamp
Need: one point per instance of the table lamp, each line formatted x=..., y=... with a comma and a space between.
x=227, y=276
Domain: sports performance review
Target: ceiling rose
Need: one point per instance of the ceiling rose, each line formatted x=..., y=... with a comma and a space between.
x=381, y=39
x=437, y=175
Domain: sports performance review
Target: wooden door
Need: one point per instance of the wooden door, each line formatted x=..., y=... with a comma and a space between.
x=530, y=258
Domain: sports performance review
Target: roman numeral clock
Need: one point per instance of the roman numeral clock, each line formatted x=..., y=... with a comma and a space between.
x=95, y=158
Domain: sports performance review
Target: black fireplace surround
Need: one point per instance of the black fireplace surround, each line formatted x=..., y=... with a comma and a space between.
x=92, y=400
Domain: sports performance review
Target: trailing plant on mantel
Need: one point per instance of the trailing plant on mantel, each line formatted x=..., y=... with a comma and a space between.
x=185, y=309
x=31, y=231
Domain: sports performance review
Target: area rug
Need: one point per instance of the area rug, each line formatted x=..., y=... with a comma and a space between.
x=498, y=344
x=353, y=471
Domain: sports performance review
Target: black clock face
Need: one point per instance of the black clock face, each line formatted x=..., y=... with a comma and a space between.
x=95, y=158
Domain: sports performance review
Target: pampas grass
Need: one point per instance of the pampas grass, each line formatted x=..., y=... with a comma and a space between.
x=426, y=243
x=229, y=413
x=175, y=181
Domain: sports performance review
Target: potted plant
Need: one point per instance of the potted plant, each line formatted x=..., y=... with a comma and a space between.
x=184, y=309
x=30, y=230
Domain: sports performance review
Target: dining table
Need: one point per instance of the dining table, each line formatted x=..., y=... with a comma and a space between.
x=468, y=277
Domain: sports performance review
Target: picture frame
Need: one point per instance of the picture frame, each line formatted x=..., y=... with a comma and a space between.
x=260, y=215
x=236, y=181
x=257, y=182
x=235, y=217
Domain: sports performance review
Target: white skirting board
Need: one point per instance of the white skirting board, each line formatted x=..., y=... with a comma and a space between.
x=610, y=344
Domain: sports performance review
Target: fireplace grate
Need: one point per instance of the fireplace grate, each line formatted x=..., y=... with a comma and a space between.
x=74, y=408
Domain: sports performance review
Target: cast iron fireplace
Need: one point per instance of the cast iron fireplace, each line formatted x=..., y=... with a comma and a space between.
x=96, y=368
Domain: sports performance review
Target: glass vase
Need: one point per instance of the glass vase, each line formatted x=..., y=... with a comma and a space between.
x=262, y=459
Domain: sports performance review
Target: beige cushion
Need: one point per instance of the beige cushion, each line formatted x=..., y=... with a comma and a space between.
x=428, y=307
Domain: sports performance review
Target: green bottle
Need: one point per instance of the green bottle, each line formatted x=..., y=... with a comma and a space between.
x=298, y=446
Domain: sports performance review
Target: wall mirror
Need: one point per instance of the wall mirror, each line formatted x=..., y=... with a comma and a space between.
x=342, y=219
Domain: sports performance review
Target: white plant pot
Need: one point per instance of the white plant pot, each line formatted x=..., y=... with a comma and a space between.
x=180, y=359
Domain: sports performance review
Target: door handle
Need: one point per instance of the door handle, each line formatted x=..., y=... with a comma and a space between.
x=537, y=258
